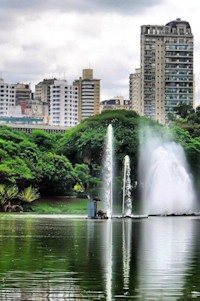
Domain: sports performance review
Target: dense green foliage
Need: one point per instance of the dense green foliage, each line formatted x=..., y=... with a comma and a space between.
x=56, y=163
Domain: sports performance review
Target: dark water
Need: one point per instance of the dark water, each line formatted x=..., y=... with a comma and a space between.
x=59, y=258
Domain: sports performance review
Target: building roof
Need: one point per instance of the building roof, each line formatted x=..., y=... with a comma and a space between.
x=174, y=23
x=115, y=102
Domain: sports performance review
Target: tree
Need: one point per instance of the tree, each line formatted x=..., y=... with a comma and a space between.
x=183, y=110
x=43, y=140
x=15, y=171
x=57, y=174
x=85, y=143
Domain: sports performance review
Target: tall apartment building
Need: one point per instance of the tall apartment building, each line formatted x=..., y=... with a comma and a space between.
x=63, y=104
x=135, y=91
x=7, y=97
x=23, y=93
x=166, y=68
x=42, y=90
x=89, y=94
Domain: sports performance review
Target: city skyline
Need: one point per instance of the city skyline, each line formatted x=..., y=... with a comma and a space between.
x=60, y=38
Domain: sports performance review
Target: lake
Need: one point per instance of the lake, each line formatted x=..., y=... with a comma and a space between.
x=56, y=257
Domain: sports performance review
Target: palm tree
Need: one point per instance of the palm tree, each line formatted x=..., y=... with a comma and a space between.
x=7, y=194
x=12, y=192
x=29, y=194
x=3, y=197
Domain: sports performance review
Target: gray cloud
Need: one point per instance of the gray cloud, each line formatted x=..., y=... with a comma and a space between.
x=53, y=38
x=115, y=6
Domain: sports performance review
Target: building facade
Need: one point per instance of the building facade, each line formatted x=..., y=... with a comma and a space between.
x=7, y=98
x=42, y=90
x=166, y=68
x=89, y=94
x=39, y=109
x=135, y=91
x=116, y=103
x=23, y=93
x=63, y=104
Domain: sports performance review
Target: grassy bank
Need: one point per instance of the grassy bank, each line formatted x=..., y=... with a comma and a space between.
x=72, y=206
x=60, y=206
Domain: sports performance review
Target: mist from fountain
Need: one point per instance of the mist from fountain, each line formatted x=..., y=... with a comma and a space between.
x=167, y=186
x=108, y=170
x=127, y=187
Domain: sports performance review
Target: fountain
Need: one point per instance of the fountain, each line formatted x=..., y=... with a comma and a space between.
x=167, y=187
x=127, y=187
x=108, y=172
x=108, y=177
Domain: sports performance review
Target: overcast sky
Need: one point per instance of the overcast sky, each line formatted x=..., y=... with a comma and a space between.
x=58, y=38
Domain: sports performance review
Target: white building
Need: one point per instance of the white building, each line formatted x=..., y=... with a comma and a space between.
x=63, y=104
x=7, y=97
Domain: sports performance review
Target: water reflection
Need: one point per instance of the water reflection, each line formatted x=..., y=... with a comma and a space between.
x=116, y=259
x=165, y=254
x=126, y=250
x=107, y=237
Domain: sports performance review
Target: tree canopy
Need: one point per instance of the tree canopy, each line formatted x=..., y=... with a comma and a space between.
x=56, y=163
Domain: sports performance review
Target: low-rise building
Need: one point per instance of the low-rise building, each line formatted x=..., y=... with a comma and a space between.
x=116, y=103
x=37, y=109
x=28, y=124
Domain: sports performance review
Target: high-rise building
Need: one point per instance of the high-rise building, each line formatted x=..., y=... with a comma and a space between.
x=166, y=68
x=23, y=93
x=42, y=90
x=134, y=91
x=89, y=94
x=7, y=97
x=63, y=104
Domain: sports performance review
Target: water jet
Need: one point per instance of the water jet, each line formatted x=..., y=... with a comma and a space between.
x=127, y=187
x=108, y=170
x=165, y=180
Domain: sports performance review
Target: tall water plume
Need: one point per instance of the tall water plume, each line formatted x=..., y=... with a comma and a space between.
x=167, y=186
x=127, y=187
x=108, y=170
